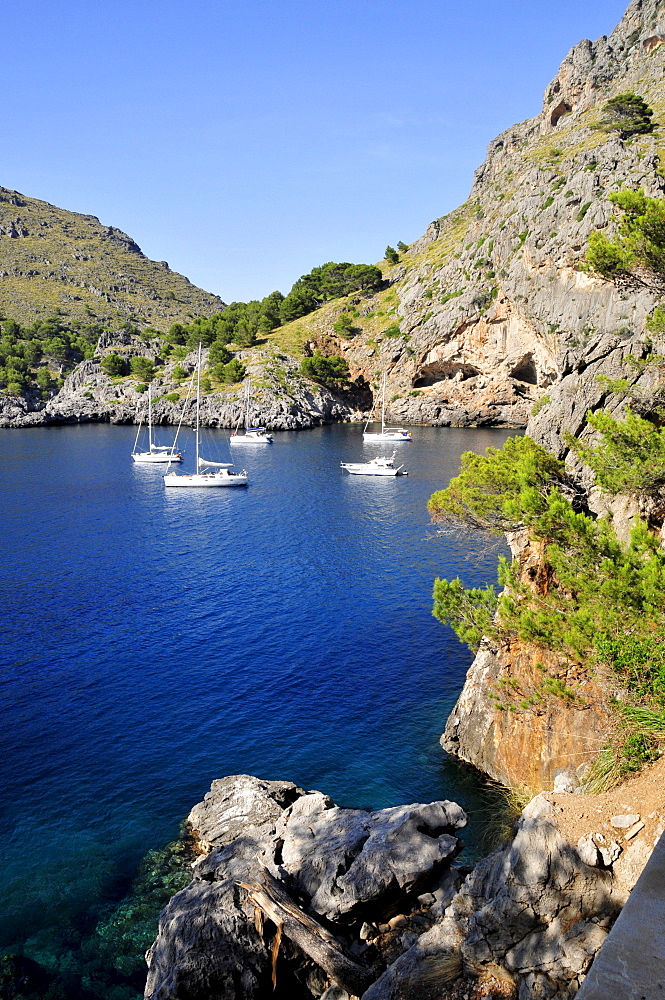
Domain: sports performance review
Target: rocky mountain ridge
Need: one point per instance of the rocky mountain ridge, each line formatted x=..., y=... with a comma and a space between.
x=53, y=261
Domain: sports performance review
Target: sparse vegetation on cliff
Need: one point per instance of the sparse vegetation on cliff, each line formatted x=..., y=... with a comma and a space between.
x=597, y=600
x=638, y=250
x=32, y=356
x=332, y=369
x=628, y=114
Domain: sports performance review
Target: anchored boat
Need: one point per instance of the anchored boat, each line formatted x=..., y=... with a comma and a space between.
x=386, y=433
x=222, y=476
x=375, y=467
x=252, y=435
x=156, y=452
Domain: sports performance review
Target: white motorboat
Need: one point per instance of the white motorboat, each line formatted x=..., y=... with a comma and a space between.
x=222, y=476
x=375, y=467
x=156, y=453
x=252, y=435
x=386, y=433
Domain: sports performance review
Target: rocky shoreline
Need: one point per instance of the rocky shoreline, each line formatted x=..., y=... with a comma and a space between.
x=293, y=896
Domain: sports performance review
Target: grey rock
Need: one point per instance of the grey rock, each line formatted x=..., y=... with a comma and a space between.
x=335, y=993
x=349, y=861
x=566, y=781
x=588, y=852
x=624, y=821
x=342, y=863
x=239, y=803
x=609, y=850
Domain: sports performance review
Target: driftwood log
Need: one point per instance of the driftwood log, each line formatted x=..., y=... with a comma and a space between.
x=319, y=944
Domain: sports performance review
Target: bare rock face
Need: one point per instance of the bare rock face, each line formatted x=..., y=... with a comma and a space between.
x=387, y=853
x=531, y=916
x=341, y=866
x=240, y=805
x=498, y=726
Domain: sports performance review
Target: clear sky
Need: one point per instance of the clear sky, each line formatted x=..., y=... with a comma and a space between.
x=246, y=142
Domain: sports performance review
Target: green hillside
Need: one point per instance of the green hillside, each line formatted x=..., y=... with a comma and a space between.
x=57, y=262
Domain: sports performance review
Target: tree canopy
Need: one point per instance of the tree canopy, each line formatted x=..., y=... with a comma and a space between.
x=640, y=242
x=628, y=114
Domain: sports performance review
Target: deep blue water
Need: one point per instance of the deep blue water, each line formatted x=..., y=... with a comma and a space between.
x=155, y=640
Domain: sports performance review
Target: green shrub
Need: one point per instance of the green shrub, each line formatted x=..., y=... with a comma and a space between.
x=596, y=600
x=142, y=368
x=640, y=241
x=583, y=210
x=538, y=405
x=113, y=364
x=230, y=373
x=325, y=369
x=628, y=114
x=628, y=457
x=343, y=325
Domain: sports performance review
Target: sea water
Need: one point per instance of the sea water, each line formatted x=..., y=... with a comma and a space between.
x=157, y=639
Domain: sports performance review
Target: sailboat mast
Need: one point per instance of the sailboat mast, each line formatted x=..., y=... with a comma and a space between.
x=247, y=405
x=198, y=406
x=383, y=406
x=149, y=417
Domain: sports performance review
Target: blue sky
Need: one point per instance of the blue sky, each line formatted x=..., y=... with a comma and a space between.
x=247, y=142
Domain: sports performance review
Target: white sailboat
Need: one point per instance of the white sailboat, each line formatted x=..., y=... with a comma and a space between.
x=202, y=478
x=375, y=467
x=386, y=433
x=252, y=435
x=155, y=452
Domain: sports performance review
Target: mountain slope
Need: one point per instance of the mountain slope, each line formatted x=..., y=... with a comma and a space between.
x=55, y=261
x=491, y=304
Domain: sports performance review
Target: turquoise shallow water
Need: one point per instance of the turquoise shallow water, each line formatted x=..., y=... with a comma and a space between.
x=155, y=640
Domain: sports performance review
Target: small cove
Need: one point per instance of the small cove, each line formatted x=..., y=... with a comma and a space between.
x=154, y=642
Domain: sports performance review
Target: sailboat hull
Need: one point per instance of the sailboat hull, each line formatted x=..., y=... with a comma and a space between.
x=153, y=458
x=387, y=436
x=204, y=480
x=248, y=439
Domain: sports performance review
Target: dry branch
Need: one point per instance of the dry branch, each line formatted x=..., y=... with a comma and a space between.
x=317, y=942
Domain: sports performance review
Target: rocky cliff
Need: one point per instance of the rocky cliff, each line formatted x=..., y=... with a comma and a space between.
x=282, y=399
x=542, y=190
x=489, y=309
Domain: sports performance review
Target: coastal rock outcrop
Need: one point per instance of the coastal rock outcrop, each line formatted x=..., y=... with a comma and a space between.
x=340, y=867
x=376, y=891
x=282, y=399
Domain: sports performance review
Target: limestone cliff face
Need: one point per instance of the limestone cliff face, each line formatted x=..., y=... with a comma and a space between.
x=493, y=309
x=512, y=726
x=506, y=722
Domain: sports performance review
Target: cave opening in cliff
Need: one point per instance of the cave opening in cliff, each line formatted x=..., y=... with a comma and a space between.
x=525, y=370
x=560, y=110
x=442, y=371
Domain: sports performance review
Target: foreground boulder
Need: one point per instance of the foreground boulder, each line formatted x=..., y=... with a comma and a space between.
x=274, y=849
x=299, y=898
